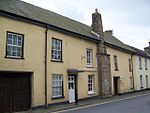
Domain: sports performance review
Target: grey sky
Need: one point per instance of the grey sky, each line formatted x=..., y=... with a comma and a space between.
x=129, y=19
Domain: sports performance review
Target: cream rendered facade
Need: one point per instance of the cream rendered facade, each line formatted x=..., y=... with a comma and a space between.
x=73, y=57
x=142, y=82
x=123, y=74
x=33, y=55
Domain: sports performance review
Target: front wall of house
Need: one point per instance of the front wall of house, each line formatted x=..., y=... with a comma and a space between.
x=142, y=72
x=33, y=55
x=123, y=69
x=73, y=57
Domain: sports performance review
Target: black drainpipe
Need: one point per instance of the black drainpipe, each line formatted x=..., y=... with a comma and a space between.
x=46, y=103
x=132, y=71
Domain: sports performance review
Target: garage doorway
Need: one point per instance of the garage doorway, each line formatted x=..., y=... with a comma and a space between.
x=15, y=92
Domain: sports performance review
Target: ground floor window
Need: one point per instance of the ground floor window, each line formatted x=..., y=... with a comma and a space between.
x=131, y=83
x=90, y=84
x=57, y=85
x=141, y=81
x=146, y=77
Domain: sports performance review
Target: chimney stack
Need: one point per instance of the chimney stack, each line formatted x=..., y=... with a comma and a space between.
x=97, y=26
x=109, y=32
x=147, y=49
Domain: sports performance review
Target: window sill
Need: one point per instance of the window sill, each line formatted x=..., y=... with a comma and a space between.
x=57, y=61
x=89, y=66
x=60, y=97
x=91, y=93
x=9, y=57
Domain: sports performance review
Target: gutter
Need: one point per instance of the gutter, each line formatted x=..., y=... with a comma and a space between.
x=46, y=103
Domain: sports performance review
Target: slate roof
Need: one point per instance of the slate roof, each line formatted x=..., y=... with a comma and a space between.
x=112, y=40
x=35, y=13
x=139, y=52
x=45, y=16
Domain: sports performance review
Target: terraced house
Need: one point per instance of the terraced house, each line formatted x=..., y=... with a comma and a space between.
x=141, y=70
x=121, y=64
x=46, y=58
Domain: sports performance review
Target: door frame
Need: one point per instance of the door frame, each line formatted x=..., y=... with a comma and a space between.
x=116, y=85
x=75, y=86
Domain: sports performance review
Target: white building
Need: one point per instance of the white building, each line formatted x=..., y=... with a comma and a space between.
x=141, y=69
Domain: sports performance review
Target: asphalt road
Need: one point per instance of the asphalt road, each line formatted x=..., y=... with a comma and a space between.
x=140, y=104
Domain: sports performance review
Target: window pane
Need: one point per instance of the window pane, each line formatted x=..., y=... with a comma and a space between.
x=14, y=45
x=57, y=85
x=14, y=39
x=89, y=57
x=19, y=41
x=56, y=49
x=91, y=83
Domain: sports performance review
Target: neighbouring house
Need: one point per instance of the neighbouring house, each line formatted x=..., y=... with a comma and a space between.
x=121, y=64
x=141, y=69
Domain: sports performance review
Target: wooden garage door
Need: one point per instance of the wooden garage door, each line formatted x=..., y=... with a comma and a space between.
x=14, y=92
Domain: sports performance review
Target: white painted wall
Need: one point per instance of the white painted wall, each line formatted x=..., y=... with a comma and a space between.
x=142, y=72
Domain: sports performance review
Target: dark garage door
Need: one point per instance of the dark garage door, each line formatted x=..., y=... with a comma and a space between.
x=15, y=92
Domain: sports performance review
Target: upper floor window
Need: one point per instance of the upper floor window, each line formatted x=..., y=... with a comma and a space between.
x=57, y=86
x=56, y=50
x=130, y=65
x=89, y=56
x=140, y=63
x=14, y=45
x=115, y=62
x=146, y=64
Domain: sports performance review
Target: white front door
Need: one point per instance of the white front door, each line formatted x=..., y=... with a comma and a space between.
x=71, y=86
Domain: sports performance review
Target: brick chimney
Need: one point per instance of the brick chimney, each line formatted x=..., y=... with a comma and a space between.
x=147, y=49
x=97, y=25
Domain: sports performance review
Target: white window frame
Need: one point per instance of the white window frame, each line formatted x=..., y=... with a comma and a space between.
x=89, y=57
x=91, y=84
x=56, y=50
x=14, y=45
x=57, y=85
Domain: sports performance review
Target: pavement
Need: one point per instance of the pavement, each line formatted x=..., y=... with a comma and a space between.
x=85, y=103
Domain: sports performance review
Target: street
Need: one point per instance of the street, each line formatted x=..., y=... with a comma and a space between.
x=140, y=104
